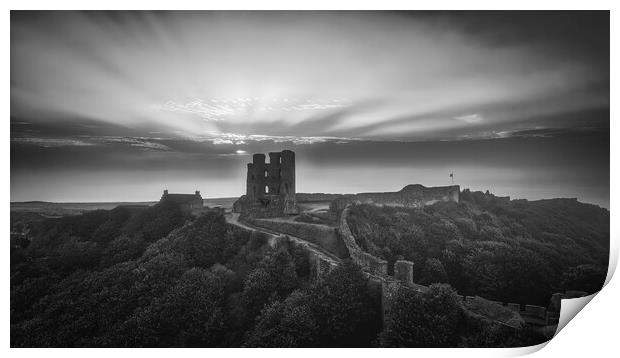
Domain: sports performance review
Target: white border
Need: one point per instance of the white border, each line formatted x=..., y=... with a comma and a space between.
x=593, y=330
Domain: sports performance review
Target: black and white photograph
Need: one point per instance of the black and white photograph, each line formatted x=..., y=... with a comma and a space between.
x=305, y=178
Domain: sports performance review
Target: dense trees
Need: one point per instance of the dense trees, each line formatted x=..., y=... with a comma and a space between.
x=429, y=319
x=345, y=308
x=518, y=251
x=75, y=286
x=191, y=313
x=202, y=284
x=286, y=324
x=436, y=318
x=589, y=278
x=273, y=279
x=433, y=272
x=338, y=311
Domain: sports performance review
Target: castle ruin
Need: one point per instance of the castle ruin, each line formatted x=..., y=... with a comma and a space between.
x=411, y=196
x=270, y=187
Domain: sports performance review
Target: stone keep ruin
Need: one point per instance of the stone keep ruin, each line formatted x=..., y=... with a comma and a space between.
x=270, y=187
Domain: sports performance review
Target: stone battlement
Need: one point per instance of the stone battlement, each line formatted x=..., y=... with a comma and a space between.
x=365, y=260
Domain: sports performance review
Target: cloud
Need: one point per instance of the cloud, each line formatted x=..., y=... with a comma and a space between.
x=252, y=73
x=151, y=146
x=83, y=141
x=233, y=138
x=218, y=109
x=208, y=111
x=470, y=118
x=51, y=142
x=145, y=143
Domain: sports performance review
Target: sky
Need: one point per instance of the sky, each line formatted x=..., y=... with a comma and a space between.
x=117, y=106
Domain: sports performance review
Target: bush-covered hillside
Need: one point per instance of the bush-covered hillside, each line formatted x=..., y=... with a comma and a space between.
x=155, y=277
x=512, y=251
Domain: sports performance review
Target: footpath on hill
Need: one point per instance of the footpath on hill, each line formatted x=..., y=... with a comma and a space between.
x=233, y=219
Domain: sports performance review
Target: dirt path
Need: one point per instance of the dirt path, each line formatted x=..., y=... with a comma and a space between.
x=233, y=219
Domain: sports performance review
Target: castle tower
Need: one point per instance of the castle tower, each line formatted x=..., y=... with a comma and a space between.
x=287, y=175
x=274, y=174
x=273, y=184
x=256, y=177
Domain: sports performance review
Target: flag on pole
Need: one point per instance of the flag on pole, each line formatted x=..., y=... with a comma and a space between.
x=452, y=177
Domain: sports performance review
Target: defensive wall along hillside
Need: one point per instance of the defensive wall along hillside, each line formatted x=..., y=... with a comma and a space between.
x=377, y=271
x=506, y=314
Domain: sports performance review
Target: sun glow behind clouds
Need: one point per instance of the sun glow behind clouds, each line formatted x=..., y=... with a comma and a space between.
x=471, y=118
x=218, y=109
x=325, y=74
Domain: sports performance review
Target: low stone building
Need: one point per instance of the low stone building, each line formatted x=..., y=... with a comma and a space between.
x=185, y=201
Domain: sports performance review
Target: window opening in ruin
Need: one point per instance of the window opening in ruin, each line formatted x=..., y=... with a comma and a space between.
x=266, y=173
x=266, y=189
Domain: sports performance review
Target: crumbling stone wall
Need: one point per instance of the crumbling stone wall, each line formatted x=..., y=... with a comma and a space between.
x=533, y=314
x=544, y=315
x=267, y=207
x=365, y=260
x=314, y=197
x=411, y=196
x=320, y=266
